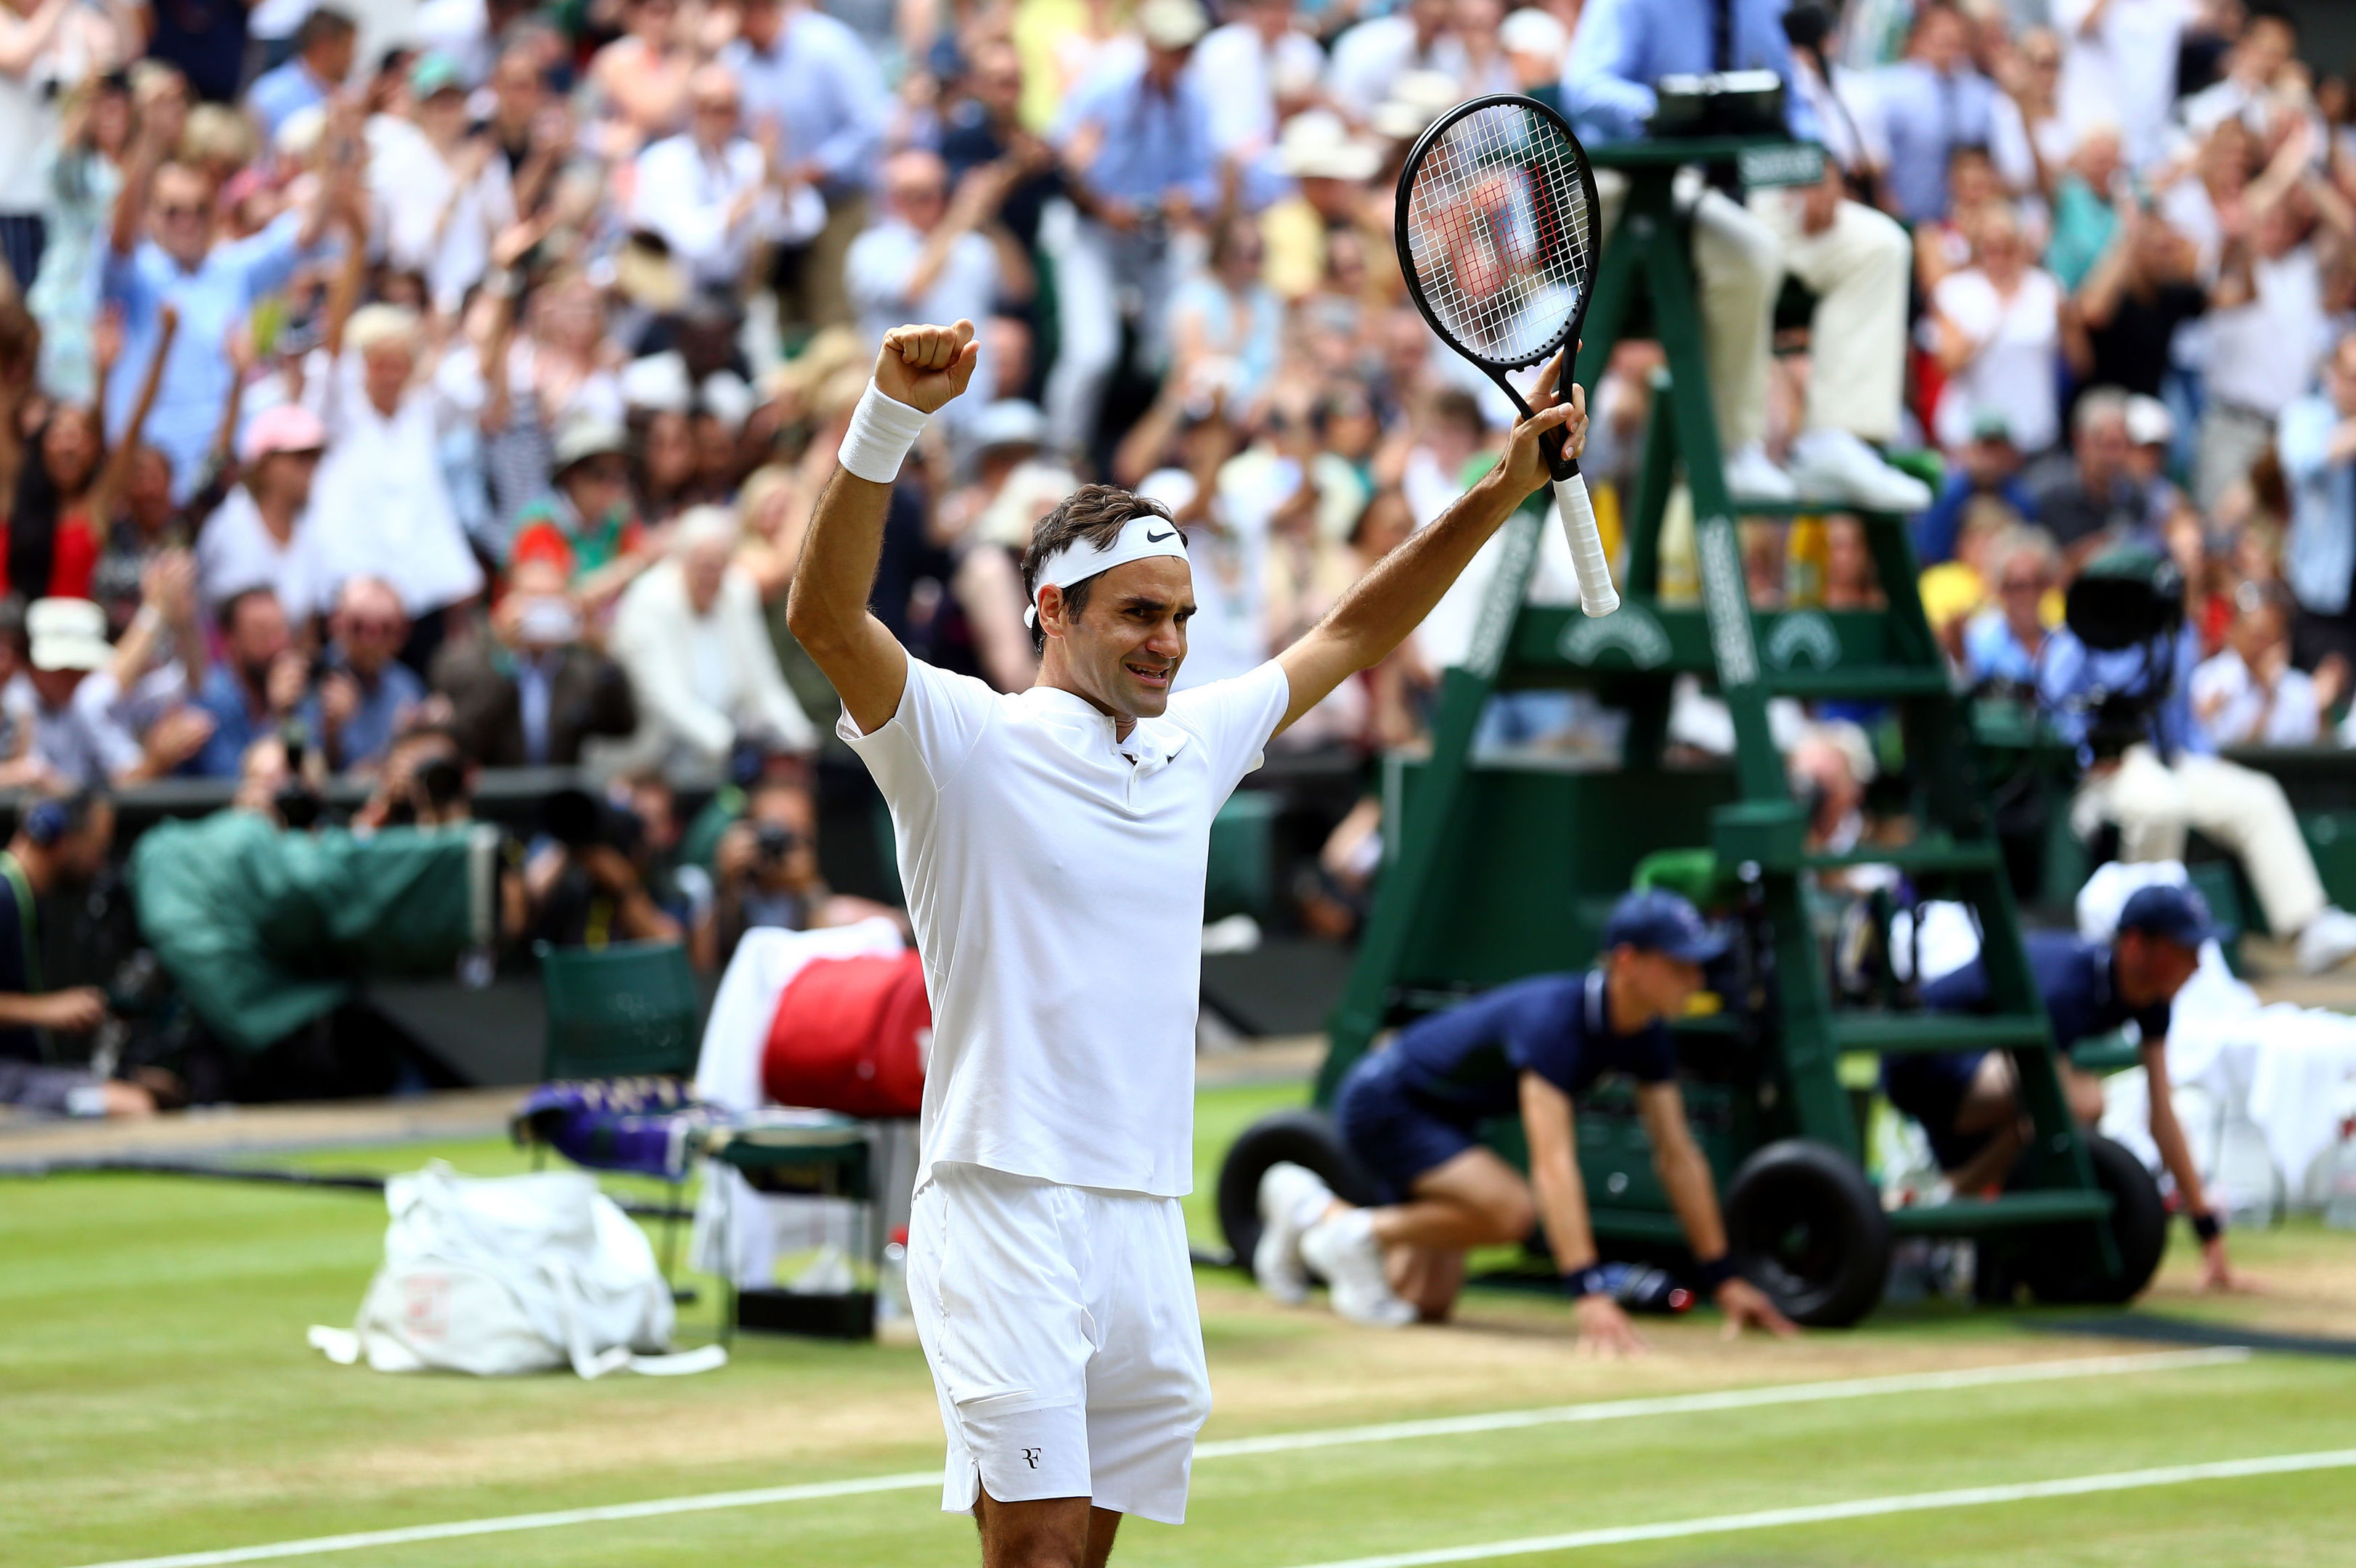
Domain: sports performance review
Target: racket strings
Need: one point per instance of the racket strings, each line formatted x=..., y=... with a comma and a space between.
x=1500, y=233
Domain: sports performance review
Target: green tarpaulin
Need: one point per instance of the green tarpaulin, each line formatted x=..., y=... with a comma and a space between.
x=265, y=929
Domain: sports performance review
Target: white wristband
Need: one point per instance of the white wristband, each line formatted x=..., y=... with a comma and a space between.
x=882, y=429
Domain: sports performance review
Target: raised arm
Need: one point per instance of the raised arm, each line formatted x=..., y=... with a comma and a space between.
x=131, y=202
x=920, y=369
x=22, y=38
x=1379, y=610
x=117, y=470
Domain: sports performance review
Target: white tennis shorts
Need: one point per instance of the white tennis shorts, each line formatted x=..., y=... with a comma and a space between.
x=1061, y=1327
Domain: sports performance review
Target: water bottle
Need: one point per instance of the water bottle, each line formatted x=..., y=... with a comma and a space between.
x=2339, y=1204
x=891, y=1281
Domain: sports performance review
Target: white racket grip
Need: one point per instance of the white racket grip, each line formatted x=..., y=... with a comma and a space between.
x=1596, y=595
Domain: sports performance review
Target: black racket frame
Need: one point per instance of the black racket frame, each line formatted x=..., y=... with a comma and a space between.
x=1561, y=466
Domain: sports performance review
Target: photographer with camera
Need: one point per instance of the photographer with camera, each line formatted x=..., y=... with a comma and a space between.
x=2115, y=680
x=585, y=880
x=59, y=846
x=766, y=873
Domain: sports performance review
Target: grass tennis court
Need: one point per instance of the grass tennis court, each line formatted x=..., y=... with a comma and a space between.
x=157, y=1398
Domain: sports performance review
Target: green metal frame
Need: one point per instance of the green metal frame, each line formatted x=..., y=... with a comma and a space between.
x=1750, y=657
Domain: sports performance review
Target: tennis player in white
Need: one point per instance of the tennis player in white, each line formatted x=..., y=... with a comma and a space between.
x=1053, y=845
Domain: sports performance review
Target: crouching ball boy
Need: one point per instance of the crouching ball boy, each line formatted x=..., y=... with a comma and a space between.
x=1052, y=843
x=1410, y=1113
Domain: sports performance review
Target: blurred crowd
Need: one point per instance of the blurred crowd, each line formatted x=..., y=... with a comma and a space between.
x=467, y=369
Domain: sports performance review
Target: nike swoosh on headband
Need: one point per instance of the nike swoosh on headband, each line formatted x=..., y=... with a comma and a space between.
x=1079, y=559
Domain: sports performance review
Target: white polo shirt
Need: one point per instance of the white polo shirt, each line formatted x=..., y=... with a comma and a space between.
x=1055, y=879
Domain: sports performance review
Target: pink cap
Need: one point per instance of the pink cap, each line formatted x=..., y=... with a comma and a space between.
x=290, y=427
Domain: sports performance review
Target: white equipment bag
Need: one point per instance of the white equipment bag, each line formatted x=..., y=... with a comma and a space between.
x=519, y=1274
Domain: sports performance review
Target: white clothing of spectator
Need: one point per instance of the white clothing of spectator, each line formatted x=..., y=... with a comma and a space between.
x=2263, y=352
x=237, y=552
x=2250, y=694
x=385, y=25
x=2118, y=66
x=2266, y=332
x=460, y=29
x=440, y=197
x=1372, y=56
x=262, y=536
x=2263, y=87
x=1999, y=333
x=382, y=508
x=2187, y=207
x=691, y=634
x=711, y=193
x=559, y=385
x=28, y=119
x=2236, y=710
x=1237, y=69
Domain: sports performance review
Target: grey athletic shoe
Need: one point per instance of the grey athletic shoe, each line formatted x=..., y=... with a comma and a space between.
x=1291, y=1198
x=1342, y=1250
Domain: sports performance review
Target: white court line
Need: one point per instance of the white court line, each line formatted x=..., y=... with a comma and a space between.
x=1867, y=1507
x=1727, y=1399
x=1236, y=1447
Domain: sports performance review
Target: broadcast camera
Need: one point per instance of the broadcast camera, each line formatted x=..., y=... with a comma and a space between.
x=2127, y=600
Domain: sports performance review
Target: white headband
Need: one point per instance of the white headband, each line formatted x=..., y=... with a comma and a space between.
x=1141, y=539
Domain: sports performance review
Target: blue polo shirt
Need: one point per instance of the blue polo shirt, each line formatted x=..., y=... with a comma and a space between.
x=279, y=94
x=2074, y=977
x=1469, y=1059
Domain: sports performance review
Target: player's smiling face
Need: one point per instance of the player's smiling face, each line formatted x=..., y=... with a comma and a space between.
x=1123, y=649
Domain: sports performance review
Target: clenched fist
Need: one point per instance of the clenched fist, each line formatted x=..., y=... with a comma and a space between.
x=925, y=366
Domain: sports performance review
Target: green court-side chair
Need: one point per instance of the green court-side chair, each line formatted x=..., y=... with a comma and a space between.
x=629, y=1009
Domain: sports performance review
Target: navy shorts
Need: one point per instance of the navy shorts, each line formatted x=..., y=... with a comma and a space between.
x=1396, y=1135
x=1931, y=1089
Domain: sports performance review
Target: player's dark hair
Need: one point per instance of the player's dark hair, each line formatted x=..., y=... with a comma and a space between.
x=1095, y=513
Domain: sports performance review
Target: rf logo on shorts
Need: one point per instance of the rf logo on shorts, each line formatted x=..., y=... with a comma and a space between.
x=1031, y=1457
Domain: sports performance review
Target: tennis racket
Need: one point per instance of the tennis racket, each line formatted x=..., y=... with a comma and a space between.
x=1497, y=234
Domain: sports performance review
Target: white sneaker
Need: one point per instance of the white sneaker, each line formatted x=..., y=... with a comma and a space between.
x=1834, y=466
x=1752, y=475
x=2327, y=942
x=1343, y=1249
x=1292, y=1197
